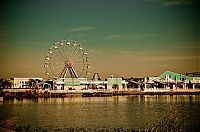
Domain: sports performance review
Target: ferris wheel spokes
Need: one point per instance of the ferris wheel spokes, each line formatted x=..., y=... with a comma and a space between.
x=68, y=69
x=66, y=59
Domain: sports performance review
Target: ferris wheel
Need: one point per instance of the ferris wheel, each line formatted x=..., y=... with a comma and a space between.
x=66, y=59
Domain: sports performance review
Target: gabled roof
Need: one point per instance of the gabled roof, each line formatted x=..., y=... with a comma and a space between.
x=175, y=76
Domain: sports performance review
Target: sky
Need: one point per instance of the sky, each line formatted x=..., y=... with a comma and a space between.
x=125, y=38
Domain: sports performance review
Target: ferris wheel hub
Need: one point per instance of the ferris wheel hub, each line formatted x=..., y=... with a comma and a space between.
x=69, y=65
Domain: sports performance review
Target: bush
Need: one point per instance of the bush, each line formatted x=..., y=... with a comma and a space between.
x=8, y=124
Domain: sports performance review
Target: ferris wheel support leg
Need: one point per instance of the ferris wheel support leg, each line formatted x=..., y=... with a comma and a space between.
x=63, y=73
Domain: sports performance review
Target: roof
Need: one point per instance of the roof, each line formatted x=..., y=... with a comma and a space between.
x=175, y=76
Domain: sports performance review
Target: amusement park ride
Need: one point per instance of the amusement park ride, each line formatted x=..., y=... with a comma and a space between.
x=67, y=67
x=66, y=59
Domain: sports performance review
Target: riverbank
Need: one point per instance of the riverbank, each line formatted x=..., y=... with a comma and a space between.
x=154, y=92
x=50, y=94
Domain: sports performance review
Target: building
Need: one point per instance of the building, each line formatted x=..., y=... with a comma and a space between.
x=172, y=80
x=71, y=84
x=79, y=84
x=24, y=82
x=116, y=84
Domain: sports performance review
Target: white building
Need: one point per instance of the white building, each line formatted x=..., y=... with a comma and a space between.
x=22, y=82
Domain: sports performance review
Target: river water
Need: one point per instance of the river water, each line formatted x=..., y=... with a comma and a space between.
x=127, y=112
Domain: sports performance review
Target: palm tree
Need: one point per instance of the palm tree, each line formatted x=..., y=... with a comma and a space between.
x=1, y=84
x=115, y=87
x=39, y=83
x=32, y=83
x=4, y=83
x=7, y=83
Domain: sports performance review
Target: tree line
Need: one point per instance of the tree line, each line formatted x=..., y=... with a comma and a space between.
x=31, y=83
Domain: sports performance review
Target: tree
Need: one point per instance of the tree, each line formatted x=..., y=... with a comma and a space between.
x=39, y=83
x=1, y=84
x=8, y=84
x=115, y=87
x=4, y=83
x=32, y=83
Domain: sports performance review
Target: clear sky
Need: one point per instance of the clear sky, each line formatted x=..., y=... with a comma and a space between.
x=122, y=37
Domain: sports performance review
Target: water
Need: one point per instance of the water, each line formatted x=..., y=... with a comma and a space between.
x=128, y=112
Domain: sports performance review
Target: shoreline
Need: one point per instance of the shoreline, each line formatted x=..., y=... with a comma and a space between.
x=30, y=94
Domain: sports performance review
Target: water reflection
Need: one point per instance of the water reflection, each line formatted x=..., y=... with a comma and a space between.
x=168, y=98
x=136, y=111
x=115, y=99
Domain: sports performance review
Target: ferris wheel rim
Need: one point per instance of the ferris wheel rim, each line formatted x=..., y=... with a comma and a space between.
x=55, y=62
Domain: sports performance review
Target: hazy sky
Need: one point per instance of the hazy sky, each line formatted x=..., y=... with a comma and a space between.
x=122, y=37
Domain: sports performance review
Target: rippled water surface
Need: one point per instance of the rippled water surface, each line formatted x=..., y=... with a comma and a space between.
x=137, y=112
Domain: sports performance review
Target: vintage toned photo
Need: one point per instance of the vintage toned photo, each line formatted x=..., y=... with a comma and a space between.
x=99, y=66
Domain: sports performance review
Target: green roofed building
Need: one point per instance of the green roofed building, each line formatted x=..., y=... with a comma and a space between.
x=175, y=76
x=114, y=83
x=71, y=83
x=174, y=80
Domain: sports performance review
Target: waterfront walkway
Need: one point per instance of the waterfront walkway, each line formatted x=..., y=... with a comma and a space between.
x=94, y=93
